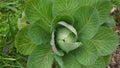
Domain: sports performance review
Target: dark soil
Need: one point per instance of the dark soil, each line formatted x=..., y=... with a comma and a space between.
x=115, y=61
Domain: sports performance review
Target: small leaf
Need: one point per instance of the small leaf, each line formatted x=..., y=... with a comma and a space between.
x=39, y=32
x=23, y=43
x=59, y=61
x=22, y=22
x=41, y=57
x=70, y=62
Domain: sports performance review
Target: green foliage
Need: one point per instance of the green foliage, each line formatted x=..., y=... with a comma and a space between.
x=27, y=44
x=116, y=2
x=87, y=53
x=59, y=60
x=10, y=11
x=83, y=23
x=39, y=33
x=70, y=61
x=100, y=63
x=102, y=39
x=39, y=10
x=43, y=57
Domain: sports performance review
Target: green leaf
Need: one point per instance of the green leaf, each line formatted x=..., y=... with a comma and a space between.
x=103, y=8
x=65, y=6
x=105, y=41
x=39, y=32
x=116, y=2
x=89, y=19
x=53, y=45
x=87, y=2
x=107, y=59
x=100, y=63
x=59, y=61
x=63, y=17
x=86, y=54
x=86, y=22
x=109, y=23
x=41, y=57
x=70, y=61
x=23, y=43
x=39, y=9
x=102, y=44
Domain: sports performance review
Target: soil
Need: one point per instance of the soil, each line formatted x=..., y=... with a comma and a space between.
x=115, y=61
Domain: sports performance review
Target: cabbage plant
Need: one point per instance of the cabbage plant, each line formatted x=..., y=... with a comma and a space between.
x=67, y=34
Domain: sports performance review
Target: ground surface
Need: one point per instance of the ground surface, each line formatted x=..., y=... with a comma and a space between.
x=115, y=61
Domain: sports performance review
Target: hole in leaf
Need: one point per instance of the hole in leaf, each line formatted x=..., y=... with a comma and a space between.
x=63, y=40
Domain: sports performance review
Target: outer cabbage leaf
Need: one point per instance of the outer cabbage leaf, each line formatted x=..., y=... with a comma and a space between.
x=39, y=32
x=87, y=2
x=65, y=6
x=102, y=7
x=105, y=41
x=86, y=22
x=41, y=57
x=86, y=54
x=70, y=61
x=39, y=9
x=102, y=44
x=100, y=63
x=23, y=43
